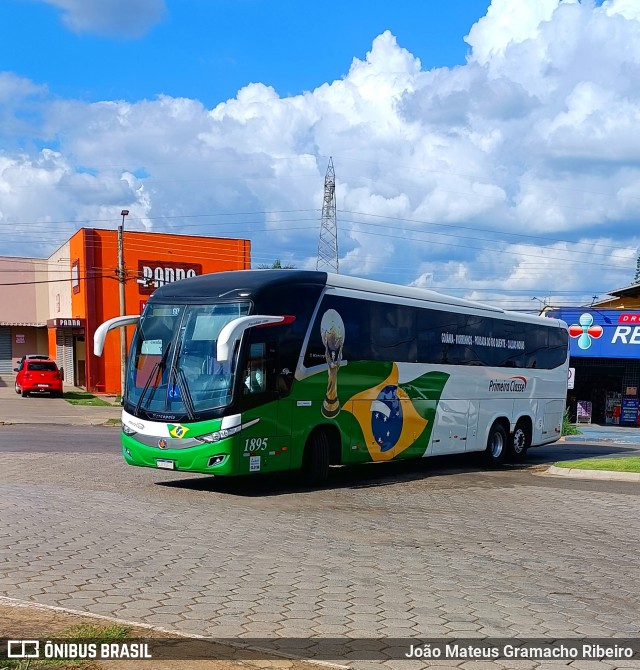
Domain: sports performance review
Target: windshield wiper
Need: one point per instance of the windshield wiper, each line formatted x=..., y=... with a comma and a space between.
x=186, y=394
x=183, y=386
x=157, y=368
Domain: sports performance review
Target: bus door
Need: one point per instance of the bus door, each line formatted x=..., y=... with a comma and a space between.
x=262, y=437
x=451, y=429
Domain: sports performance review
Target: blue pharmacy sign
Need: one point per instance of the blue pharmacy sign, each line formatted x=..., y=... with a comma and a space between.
x=629, y=412
x=601, y=333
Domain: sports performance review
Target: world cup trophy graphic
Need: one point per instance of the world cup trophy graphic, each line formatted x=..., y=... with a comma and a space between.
x=332, y=332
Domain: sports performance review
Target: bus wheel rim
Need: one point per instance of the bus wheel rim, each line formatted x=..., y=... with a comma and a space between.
x=496, y=446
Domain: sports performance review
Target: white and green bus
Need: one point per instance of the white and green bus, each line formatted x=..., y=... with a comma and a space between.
x=260, y=371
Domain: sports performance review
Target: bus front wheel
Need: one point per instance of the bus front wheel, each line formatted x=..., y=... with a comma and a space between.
x=315, y=461
x=496, y=445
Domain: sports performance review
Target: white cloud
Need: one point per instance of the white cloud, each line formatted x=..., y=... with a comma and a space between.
x=461, y=178
x=507, y=22
x=118, y=18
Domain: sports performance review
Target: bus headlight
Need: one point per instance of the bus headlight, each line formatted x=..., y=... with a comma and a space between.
x=128, y=431
x=223, y=434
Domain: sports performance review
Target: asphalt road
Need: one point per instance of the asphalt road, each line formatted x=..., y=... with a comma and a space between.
x=438, y=548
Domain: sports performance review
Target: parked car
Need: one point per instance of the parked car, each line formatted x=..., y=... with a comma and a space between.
x=38, y=375
x=42, y=357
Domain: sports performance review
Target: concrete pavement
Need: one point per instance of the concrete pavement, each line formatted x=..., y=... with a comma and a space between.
x=382, y=552
x=14, y=409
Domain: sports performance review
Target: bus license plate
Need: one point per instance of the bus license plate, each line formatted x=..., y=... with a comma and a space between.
x=166, y=464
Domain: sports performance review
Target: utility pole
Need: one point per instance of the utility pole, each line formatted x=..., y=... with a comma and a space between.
x=123, y=332
x=328, y=241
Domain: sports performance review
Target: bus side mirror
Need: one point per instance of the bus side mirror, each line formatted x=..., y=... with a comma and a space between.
x=232, y=332
x=102, y=330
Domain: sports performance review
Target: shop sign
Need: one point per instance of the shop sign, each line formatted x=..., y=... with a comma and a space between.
x=153, y=274
x=19, y=339
x=572, y=378
x=65, y=323
x=629, y=413
x=601, y=333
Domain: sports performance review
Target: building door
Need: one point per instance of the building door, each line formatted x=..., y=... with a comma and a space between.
x=79, y=361
x=6, y=364
x=64, y=353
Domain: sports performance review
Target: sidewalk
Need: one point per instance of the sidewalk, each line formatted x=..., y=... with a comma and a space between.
x=608, y=433
x=15, y=409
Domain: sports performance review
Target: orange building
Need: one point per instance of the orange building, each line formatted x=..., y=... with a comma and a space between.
x=150, y=260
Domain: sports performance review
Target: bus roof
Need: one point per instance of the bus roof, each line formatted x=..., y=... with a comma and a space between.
x=251, y=283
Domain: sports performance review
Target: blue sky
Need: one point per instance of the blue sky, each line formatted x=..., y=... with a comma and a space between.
x=209, y=49
x=488, y=149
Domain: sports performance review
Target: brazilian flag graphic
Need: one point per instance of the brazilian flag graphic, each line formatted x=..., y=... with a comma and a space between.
x=176, y=430
x=394, y=417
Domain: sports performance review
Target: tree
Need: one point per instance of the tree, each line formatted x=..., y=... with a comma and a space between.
x=276, y=265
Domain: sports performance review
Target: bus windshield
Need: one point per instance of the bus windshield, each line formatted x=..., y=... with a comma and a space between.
x=173, y=367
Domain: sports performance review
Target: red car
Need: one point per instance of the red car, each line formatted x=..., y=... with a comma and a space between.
x=38, y=376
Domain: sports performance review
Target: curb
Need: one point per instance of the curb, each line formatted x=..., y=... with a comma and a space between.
x=605, y=475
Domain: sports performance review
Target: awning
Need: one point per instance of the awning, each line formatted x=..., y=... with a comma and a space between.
x=23, y=325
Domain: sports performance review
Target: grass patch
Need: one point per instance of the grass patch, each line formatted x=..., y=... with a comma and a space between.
x=85, y=632
x=622, y=464
x=569, y=428
x=90, y=631
x=84, y=398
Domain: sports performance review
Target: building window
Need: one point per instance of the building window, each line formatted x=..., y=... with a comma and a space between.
x=75, y=276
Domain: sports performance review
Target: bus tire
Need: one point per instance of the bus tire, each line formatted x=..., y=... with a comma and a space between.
x=496, y=450
x=519, y=443
x=315, y=460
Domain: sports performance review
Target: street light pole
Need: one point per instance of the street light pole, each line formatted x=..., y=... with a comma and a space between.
x=123, y=332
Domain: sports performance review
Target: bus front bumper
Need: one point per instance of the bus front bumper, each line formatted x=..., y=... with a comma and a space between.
x=215, y=459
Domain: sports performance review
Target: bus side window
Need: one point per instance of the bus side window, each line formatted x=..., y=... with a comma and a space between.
x=255, y=377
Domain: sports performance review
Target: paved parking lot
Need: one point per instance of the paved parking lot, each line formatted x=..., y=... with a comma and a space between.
x=383, y=551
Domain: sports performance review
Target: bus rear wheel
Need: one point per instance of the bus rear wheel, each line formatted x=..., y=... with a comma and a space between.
x=518, y=444
x=496, y=445
x=315, y=460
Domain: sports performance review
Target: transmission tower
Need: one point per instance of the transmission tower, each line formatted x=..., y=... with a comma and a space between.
x=328, y=241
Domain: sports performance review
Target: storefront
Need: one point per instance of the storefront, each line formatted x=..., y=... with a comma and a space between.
x=604, y=347
x=23, y=309
x=70, y=348
x=18, y=339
